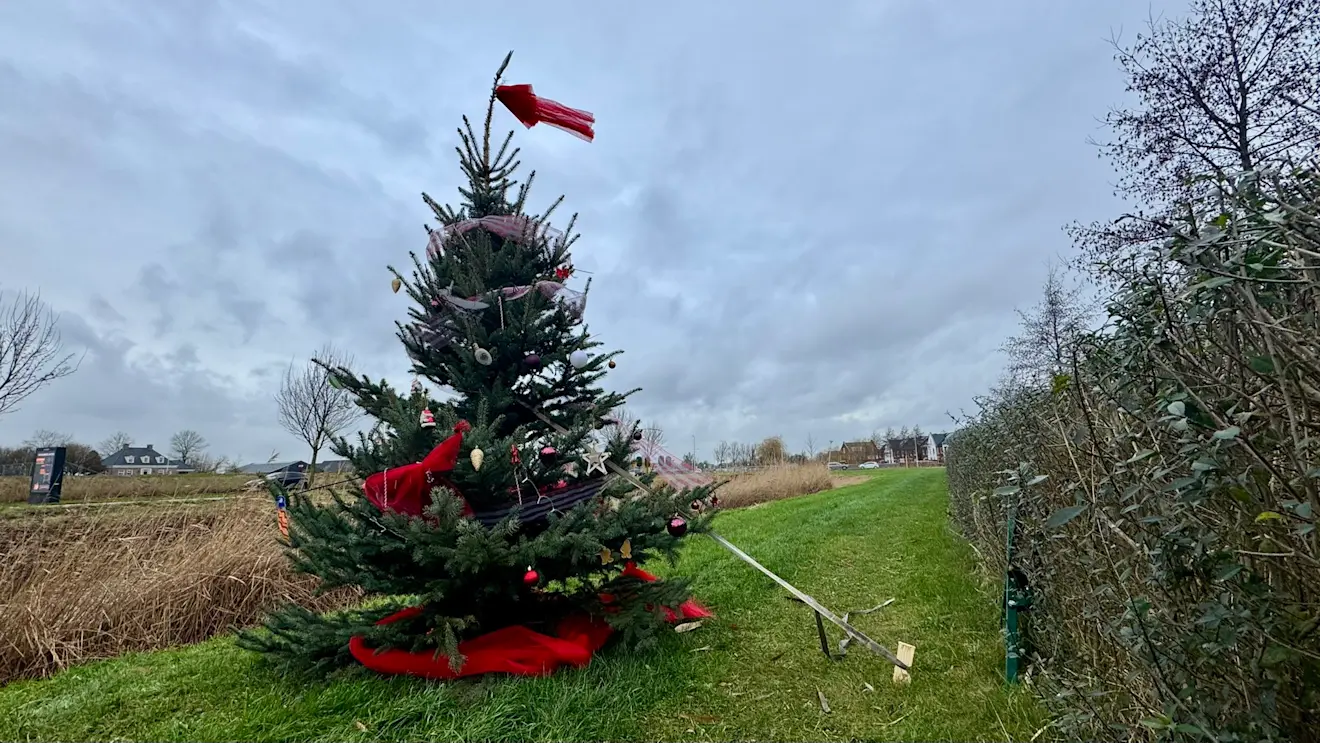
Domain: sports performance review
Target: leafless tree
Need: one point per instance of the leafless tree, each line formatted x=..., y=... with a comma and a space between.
x=811, y=447
x=722, y=453
x=187, y=445
x=44, y=438
x=31, y=352
x=1042, y=349
x=313, y=409
x=114, y=442
x=1232, y=85
x=917, y=447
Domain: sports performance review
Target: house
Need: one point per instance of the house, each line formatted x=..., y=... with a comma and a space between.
x=906, y=450
x=937, y=446
x=141, y=460
x=853, y=453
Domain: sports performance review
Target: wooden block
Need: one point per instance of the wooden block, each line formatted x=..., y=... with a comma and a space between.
x=905, y=653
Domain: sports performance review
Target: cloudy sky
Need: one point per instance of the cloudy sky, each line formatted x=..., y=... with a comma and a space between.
x=800, y=221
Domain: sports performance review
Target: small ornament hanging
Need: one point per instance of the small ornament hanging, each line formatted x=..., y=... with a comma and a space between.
x=549, y=456
x=637, y=436
x=531, y=577
x=579, y=359
x=416, y=386
x=606, y=557
x=477, y=456
x=612, y=364
x=532, y=360
x=677, y=527
x=396, y=284
x=427, y=418
x=626, y=550
x=563, y=272
x=514, y=455
x=482, y=356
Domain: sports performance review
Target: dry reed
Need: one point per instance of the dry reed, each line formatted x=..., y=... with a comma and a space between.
x=111, y=487
x=86, y=585
x=774, y=483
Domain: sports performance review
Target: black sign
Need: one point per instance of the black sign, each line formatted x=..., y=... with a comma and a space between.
x=47, y=476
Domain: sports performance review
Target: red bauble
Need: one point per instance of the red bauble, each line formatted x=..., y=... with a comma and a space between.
x=531, y=577
x=677, y=527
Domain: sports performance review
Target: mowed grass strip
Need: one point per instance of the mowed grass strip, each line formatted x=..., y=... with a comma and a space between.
x=755, y=673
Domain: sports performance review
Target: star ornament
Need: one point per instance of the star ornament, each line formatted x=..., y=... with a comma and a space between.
x=595, y=460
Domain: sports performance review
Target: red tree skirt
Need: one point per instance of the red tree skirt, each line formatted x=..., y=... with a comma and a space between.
x=516, y=650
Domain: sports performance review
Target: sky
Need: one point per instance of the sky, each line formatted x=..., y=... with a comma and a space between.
x=811, y=220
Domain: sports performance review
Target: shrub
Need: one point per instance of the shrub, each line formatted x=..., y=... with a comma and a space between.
x=1165, y=485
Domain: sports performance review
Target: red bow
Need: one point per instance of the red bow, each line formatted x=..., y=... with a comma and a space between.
x=531, y=110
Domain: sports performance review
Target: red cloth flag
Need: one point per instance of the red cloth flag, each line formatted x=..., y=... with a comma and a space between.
x=407, y=489
x=531, y=110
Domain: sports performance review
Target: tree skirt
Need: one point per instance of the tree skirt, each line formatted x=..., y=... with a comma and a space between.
x=516, y=650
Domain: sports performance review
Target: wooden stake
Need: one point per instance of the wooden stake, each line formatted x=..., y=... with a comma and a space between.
x=905, y=653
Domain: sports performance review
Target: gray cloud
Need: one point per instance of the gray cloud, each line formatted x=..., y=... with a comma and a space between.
x=798, y=223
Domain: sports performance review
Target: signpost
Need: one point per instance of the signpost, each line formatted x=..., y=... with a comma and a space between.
x=47, y=475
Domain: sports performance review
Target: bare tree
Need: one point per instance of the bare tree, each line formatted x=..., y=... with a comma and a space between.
x=31, y=352
x=723, y=453
x=114, y=442
x=811, y=447
x=313, y=409
x=917, y=436
x=1233, y=85
x=1042, y=350
x=187, y=445
x=44, y=438
x=653, y=435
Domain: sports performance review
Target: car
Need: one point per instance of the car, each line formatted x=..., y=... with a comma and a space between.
x=868, y=466
x=837, y=466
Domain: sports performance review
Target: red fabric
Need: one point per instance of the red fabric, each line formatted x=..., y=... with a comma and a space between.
x=516, y=650
x=531, y=110
x=407, y=489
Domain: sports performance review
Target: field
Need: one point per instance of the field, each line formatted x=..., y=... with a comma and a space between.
x=110, y=487
x=81, y=584
x=754, y=673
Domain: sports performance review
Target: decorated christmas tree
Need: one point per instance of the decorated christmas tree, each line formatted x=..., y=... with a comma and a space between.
x=497, y=527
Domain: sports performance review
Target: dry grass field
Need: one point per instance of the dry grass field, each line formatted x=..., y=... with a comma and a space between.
x=85, y=584
x=774, y=483
x=110, y=487
x=81, y=584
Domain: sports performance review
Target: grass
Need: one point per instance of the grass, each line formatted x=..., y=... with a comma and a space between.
x=755, y=673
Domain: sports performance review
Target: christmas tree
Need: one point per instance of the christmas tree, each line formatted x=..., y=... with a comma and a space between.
x=499, y=512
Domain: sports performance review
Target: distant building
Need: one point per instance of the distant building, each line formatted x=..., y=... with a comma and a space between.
x=271, y=468
x=141, y=460
x=937, y=447
x=853, y=453
x=335, y=467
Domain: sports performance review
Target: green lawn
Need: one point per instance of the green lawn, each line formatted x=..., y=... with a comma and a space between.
x=753, y=674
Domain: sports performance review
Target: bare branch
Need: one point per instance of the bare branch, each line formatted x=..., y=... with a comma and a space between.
x=31, y=353
x=187, y=445
x=312, y=408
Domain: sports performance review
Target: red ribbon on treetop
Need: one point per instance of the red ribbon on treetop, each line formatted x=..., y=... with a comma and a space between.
x=531, y=110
